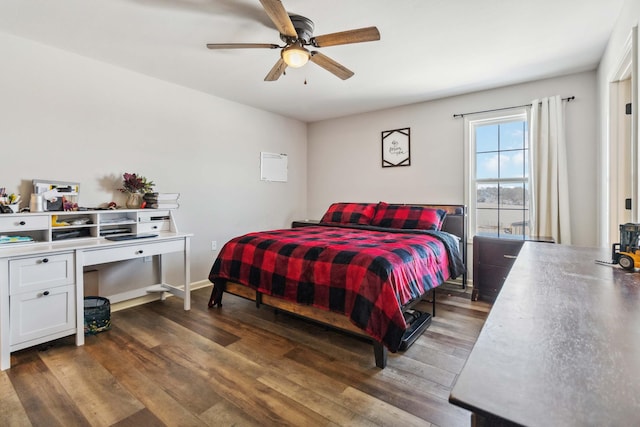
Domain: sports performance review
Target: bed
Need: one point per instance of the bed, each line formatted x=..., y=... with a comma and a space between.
x=361, y=269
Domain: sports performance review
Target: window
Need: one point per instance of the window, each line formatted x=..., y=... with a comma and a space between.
x=498, y=184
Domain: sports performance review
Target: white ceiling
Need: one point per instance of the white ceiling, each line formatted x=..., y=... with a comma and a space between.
x=428, y=49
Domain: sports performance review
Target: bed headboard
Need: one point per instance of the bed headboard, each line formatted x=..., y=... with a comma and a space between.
x=456, y=220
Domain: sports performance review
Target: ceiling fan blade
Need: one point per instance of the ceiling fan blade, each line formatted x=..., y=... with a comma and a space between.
x=360, y=35
x=241, y=45
x=278, y=14
x=330, y=65
x=276, y=71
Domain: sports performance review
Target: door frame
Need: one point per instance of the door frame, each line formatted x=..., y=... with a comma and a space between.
x=623, y=141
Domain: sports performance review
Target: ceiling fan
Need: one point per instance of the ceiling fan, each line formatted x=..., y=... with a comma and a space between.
x=297, y=33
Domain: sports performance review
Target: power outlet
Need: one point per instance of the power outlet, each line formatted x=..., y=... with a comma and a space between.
x=146, y=259
x=214, y=245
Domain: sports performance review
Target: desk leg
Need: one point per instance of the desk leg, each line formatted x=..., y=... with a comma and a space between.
x=187, y=273
x=185, y=291
x=161, y=276
x=79, y=262
x=5, y=344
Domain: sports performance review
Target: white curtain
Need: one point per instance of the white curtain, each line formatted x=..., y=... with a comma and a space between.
x=548, y=173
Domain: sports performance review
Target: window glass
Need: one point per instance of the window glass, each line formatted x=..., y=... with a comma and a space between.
x=500, y=155
x=512, y=135
x=513, y=195
x=486, y=138
x=487, y=222
x=513, y=164
x=487, y=165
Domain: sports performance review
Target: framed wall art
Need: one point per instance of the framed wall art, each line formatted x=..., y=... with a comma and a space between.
x=396, y=147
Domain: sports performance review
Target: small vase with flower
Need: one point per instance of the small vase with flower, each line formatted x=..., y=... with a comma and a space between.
x=135, y=186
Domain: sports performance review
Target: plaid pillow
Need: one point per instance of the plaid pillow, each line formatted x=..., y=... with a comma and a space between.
x=349, y=213
x=408, y=217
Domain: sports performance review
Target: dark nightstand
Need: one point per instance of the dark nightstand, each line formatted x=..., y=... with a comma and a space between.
x=304, y=223
x=492, y=261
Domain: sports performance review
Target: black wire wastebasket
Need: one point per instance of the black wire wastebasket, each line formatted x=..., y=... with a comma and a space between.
x=97, y=315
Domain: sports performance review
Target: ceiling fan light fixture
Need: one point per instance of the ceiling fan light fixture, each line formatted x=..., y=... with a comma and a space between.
x=295, y=56
x=297, y=34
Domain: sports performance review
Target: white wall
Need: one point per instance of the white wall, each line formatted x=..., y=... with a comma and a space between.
x=609, y=65
x=66, y=117
x=344, y=154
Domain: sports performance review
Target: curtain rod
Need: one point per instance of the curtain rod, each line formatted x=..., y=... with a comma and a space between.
x=455, y=116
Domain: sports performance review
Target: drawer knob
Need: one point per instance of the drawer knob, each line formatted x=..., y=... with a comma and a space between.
x=22, y=223
x=45, y=293
x=45, y=260
x=510, y=256
x=139, y=252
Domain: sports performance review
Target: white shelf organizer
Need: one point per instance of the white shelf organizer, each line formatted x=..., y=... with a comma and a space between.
x=45, y=226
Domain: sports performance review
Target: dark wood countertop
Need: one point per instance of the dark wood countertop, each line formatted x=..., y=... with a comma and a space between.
x=561, y=346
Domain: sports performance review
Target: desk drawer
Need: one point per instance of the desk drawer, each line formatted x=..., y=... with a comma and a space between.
x=150, y=227
x=11, y=224
x=45, y=271
x=39, y=314
x=499, y=252
x=132, y=251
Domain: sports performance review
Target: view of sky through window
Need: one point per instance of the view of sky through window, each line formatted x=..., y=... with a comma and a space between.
x=502, y=170
x=501, y=151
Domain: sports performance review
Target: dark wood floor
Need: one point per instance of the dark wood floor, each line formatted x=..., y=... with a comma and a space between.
x=238, y=365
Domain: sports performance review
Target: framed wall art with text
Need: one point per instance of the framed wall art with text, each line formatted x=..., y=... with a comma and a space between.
x=396, y=147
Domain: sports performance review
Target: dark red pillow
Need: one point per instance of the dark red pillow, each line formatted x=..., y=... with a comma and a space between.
x=350, y=213
x=408, y=217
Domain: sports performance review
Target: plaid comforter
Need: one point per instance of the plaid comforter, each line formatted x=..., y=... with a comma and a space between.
x=367, y=273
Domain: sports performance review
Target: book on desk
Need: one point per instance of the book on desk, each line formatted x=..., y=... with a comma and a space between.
x=162, y=200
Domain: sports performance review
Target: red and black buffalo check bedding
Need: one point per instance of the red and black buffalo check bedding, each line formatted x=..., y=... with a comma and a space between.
x=367, y=273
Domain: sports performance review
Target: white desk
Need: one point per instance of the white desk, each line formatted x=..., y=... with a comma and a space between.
x=42, y=287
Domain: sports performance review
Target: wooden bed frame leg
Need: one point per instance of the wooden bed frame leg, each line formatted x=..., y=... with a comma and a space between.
x=216, y=295
x=380, y=352
x=433, y=310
